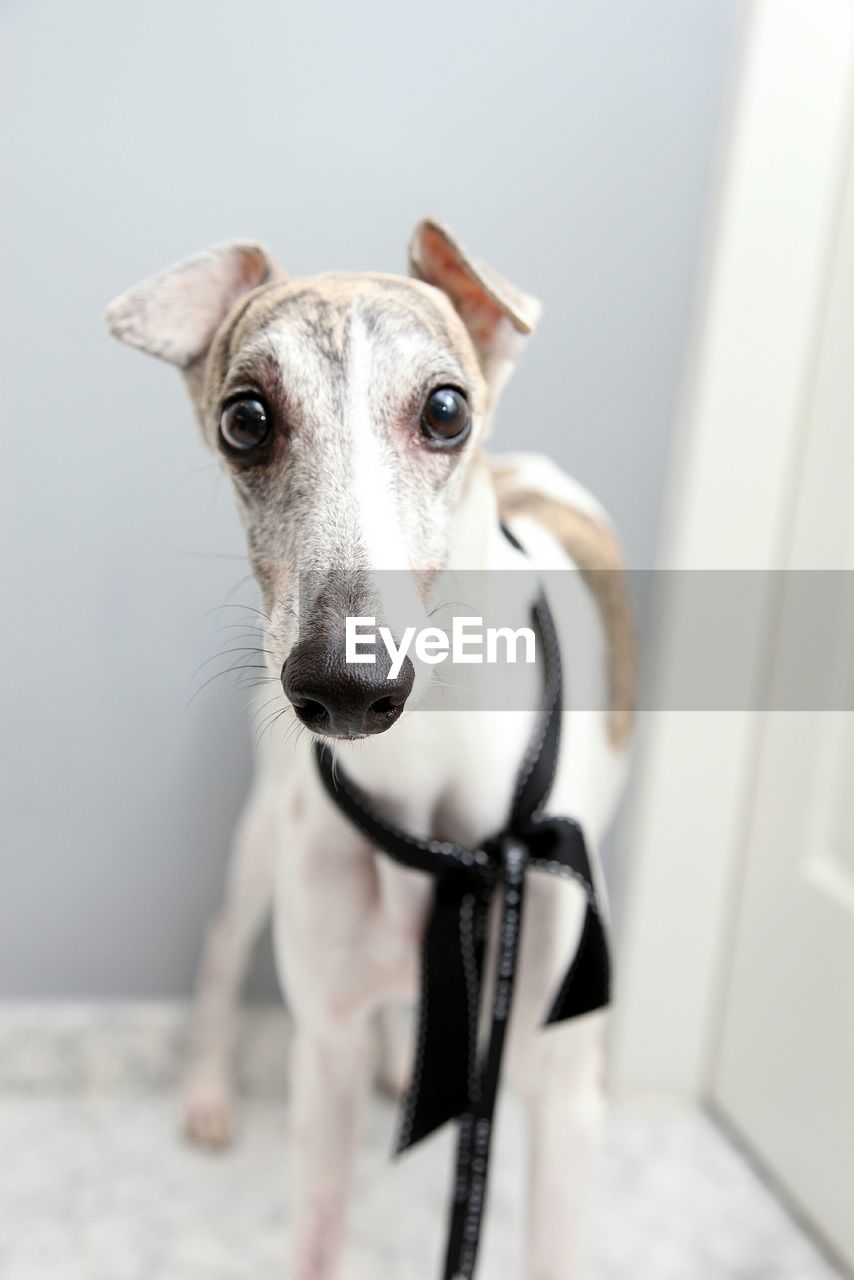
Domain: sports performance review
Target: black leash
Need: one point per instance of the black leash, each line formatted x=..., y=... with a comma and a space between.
x=449, y=1079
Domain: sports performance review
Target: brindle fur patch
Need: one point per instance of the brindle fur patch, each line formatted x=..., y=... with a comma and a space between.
x=596, y=551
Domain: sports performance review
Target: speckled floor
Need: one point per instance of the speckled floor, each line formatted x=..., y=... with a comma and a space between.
x=95, y=1184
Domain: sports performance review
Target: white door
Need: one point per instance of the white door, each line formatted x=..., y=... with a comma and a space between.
x=784, y=1060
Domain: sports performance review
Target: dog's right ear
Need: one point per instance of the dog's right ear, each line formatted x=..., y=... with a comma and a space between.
x=498, y=316
x=175, y=314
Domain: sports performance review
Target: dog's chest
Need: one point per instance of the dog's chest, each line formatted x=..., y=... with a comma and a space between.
x=352, y=918
x=447, y=775
x=472, y=805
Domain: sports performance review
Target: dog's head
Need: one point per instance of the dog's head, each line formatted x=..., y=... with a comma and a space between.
x=347, y=410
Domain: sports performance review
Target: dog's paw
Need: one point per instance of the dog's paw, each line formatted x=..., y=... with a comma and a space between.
x=209, y=1110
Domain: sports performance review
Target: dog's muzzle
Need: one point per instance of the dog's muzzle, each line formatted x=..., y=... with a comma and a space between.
x=341, y=699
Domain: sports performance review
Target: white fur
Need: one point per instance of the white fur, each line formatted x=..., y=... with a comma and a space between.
x=373, y=477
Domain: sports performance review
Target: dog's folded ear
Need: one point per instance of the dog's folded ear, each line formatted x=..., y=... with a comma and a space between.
x=498, y=316
x=175, y=314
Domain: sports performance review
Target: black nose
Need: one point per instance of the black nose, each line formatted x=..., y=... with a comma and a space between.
x=344, y=699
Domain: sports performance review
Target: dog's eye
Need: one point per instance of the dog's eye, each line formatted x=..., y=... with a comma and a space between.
x=244, y=425
x=445, y=418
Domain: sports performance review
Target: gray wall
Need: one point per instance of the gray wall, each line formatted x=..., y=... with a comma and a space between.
x=574, y=145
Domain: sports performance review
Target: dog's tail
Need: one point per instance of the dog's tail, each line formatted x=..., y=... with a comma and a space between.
x=531, y=485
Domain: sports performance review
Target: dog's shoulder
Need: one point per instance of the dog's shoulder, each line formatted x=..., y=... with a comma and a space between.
x=530, y=486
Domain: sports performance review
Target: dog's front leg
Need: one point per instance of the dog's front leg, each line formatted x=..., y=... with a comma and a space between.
x=335, y=967
x=559, y=1072
x=330, y=1082
x=565, y=1100
x=208, y=1094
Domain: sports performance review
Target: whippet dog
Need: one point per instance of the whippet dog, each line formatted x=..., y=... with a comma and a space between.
x=350, y=412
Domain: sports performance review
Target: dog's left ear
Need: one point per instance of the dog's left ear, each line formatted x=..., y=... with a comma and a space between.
x=498, y=316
